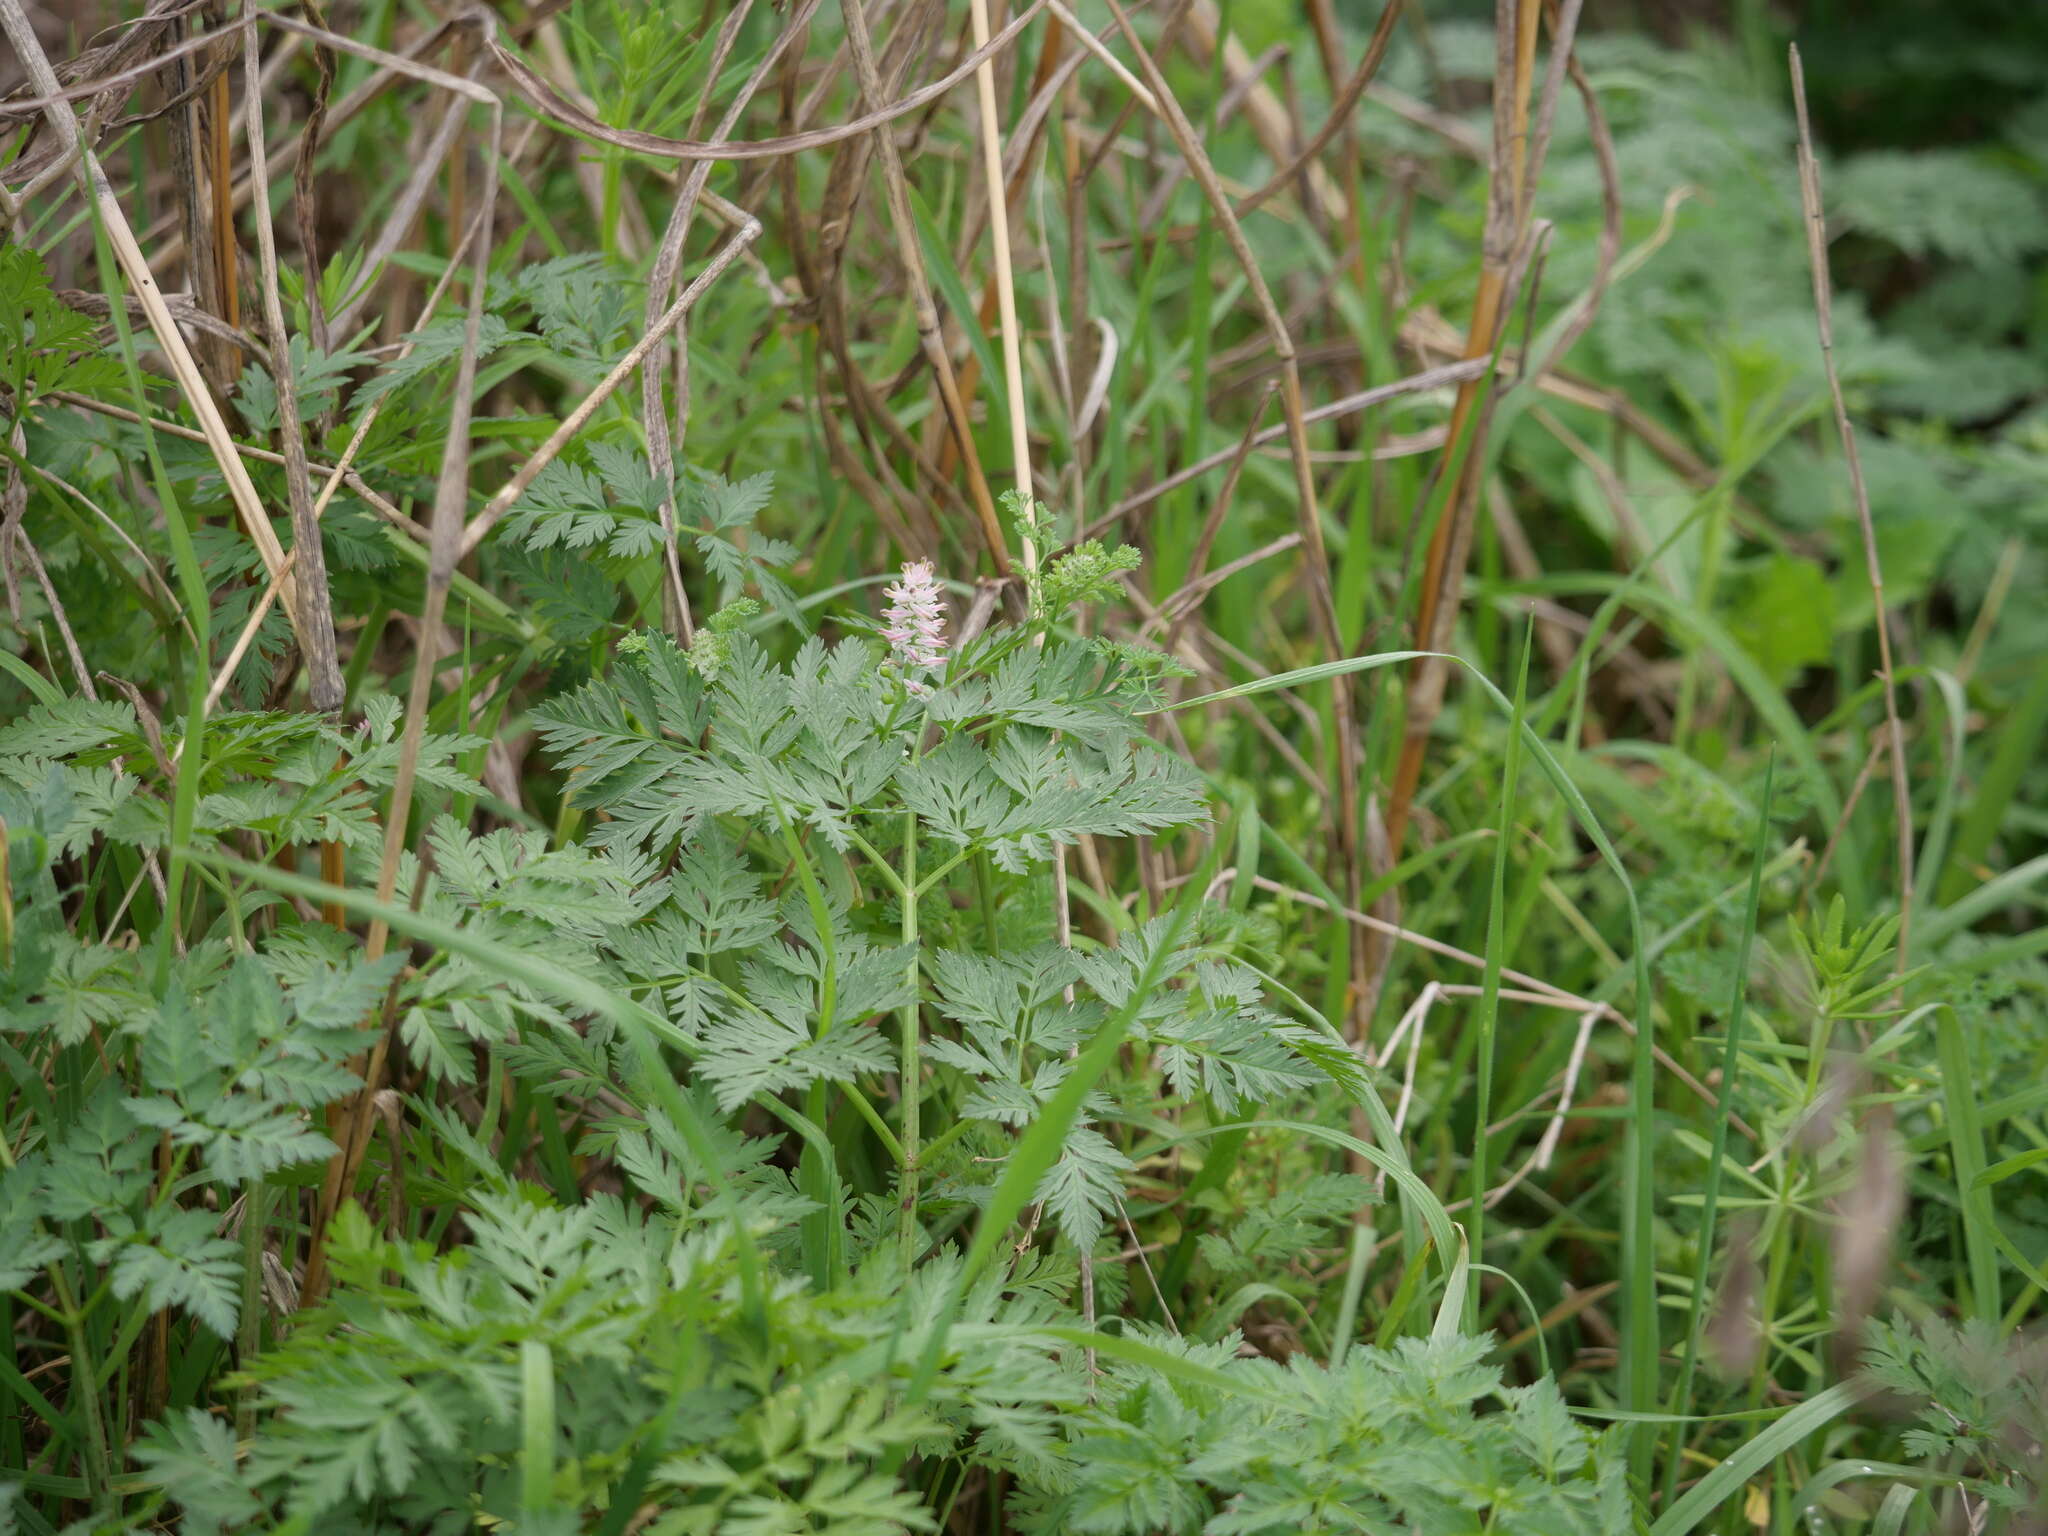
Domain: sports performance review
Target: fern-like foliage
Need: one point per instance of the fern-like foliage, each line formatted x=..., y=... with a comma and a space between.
x=1944, y=203
x=1979, y=1407
x=225, y=1057
x=45, y=345
x=1387, y=1441
x=409, y=1397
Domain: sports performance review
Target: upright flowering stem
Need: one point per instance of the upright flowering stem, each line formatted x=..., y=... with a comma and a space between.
x=910, y=1067
x=914, y=624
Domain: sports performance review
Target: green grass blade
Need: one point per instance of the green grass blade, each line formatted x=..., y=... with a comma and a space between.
x=1997, y=892
x=1966, y=1152
x=2018, y=749
x=1800, y=1510
x=46, y=692
x=1639, y=1350
x=1488, y=1020
x=1727, y=1480
x=1731, y=1071
x=1451, y=1319
x=1891, y=1514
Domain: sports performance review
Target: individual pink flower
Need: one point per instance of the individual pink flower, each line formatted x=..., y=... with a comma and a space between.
x=914, y=622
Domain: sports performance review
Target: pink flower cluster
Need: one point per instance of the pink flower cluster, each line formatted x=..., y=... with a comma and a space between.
x=914, y=622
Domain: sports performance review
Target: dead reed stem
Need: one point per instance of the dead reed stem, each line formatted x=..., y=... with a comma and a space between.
x=316, y=615
x=1516, y=161
x=451, y=496
x=63, y=121
x=1322, y=597
x=952, y=389
x=1823, y=304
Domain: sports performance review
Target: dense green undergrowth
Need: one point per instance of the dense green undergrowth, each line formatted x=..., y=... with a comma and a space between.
x=739, y=1022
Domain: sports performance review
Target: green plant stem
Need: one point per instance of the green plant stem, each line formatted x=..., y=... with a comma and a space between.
x=881, y=866
x=1489, y=1001
x=1354, y=1287
x=1713, y=537
x=537, y=1428
x=249, y=1330
x=821, y=920
x=945, y=1139
x=817, y=1172
x=867, y=1111
x=985, y=899
x=940, y=873
x=911, y=1073
x=85, y=1390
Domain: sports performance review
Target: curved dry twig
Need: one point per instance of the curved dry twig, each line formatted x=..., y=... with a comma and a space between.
x=545, y=99
x=1340, y=111
x=128, y=255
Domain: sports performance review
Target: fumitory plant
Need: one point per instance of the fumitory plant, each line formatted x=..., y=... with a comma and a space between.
x=857, y=843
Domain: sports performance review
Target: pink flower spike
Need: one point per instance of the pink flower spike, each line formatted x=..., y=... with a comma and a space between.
x=914, y=622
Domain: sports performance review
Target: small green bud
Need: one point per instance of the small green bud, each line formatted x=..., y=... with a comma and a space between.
x=1087, y=573
x=733, y=617
x=709, y=651
x=711, y=647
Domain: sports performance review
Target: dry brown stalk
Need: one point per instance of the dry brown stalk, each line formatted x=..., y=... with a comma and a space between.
x=1343, y=107
x=128, y=255
x=1263, y=110
x=820, y=237
x=952, y=390
x=882, y=500
x=1440, y=377
x=1517, y=158
x=1023, y=147
x=101, y=76
x=451, y=496
x=304, y=212
x=315, y=628
x=186, y=134
x=399, y=224
x=1823, y=304
x=479, y=526
x=546, y=99
x=168, y=246
x=1322, y=599
x=1219, y=510
x=1465, y=957
x=225, y=251
x=662, y=442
